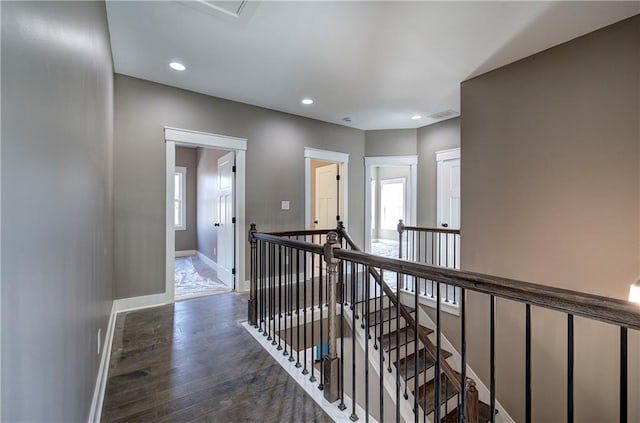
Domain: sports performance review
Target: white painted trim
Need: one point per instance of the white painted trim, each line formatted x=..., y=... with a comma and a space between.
x=450, y=154
x=327, y=156
x=183, y=204
x=95, y=413
x=186, y=253
x=311, y=388
x=212, y=264
x=391, y=160
x=144, y=301
x=412, y=162
x=176, y=136
x=204, y=139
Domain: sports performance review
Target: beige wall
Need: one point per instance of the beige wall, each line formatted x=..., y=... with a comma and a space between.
x=207, y=174
x=390, y=142
x=431, y=139
x=275, y=169
x=187, y=239
x=550, y=183
x=57, y=206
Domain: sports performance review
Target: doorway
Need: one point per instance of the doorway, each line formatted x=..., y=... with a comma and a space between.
x=390, y=195
x=326, y=189
x=204, y=220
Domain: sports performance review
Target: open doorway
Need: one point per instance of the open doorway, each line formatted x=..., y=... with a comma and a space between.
x=390, y=195
x=326, y=194
x=205, y=213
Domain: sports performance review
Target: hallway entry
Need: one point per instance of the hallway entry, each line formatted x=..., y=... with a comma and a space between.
x=326, y=193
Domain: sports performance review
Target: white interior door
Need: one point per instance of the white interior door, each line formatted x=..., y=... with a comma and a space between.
x=225, y=218
x=448, y=179
x=326, y=197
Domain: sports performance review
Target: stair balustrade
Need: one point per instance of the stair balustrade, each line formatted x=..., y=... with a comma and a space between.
x=327, y=306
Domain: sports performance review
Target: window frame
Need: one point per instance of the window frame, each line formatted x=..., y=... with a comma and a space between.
x=183, y=198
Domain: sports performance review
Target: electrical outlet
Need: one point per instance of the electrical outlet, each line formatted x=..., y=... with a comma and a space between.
x=99, y=339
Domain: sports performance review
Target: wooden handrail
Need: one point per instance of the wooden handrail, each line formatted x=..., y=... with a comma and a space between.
x=422, y=334
x=302, y=233
x=608, y=310
x=437, y=230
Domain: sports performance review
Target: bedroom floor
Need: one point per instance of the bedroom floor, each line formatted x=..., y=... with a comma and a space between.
x=195, y=278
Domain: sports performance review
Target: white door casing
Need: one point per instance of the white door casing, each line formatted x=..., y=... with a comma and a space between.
x=448, y=191
x=326, y=196
x=225, y=218
x=342, y=159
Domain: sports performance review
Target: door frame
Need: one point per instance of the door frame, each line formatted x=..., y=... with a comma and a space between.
x=369, y=162
x=325, y=156
x=442, y=156
x=183, y=137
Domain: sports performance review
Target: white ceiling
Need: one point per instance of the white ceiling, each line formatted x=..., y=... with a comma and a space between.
x=376, y=62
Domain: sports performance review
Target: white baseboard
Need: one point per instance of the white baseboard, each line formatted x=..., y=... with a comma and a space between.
x=207, y=260
x=95, y=413
x=135, y=303
x=186, y=253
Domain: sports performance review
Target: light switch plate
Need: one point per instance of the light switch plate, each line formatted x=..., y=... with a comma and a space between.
x=285, y=205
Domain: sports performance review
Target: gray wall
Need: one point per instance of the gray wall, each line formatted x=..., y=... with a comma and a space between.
x=207, y=173
x=275, y=169
x=187, y=239
x=432, y=138
x=57, y=120
x=550, y=183
x=390, y=142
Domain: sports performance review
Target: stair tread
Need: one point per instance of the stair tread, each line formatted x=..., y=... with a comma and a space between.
x=426, y=393
x=387, y=314
x=425, y=362
x=484, y=414
x=406, y=335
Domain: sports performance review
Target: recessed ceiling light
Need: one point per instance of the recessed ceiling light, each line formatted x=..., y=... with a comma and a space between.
x=177, y=66
x=416, y=117
x=307, y=101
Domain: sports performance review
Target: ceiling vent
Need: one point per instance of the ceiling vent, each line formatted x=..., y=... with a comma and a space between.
x=222, y=8
x=447, y=114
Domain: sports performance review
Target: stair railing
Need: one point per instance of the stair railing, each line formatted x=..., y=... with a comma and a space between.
x=280, y=263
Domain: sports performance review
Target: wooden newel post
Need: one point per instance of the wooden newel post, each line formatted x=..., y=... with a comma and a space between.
x=400, y=231
x=471, y=403
x=340, y=288
x=253, y=288
x=331, y=360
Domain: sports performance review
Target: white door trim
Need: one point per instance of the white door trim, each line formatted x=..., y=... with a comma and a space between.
x=327, y=156
x=369, y=162
x=176, y=136
x=451, y=154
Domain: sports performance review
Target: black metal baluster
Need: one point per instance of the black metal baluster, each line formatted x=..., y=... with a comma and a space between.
x=354, y=415
x=269, y=302
x=528, y=365
x=279, y=297
x=320, y=303
x=454, y=265
x=261, y=296
x=462, y=416
x=437, y=363
x=397, y=359
x=342, y=406
x=298, y=364
x=304, y=319
x=291, y=299
x=492, y=341
x=286, y=298
x=313, y=288
x=623, y=375
x=416, y=376
x=365, y=359
x=381, y=351
x=569, y=368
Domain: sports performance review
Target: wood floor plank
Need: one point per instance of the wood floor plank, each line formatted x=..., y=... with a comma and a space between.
x=193, y=361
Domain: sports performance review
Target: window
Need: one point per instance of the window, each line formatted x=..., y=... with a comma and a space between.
x=391, y=202
x=373, y=204
x=179, y=199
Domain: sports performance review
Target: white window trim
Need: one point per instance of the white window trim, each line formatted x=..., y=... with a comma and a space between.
x=183, y=205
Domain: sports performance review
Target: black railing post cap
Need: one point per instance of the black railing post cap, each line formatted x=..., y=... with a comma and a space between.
x=400, y=225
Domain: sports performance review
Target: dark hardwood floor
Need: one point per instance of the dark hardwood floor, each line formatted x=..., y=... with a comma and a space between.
x=192, y=361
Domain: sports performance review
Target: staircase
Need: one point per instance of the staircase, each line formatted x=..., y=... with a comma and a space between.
x=398, y=342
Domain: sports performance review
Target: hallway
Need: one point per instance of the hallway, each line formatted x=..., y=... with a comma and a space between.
x=193, y=361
